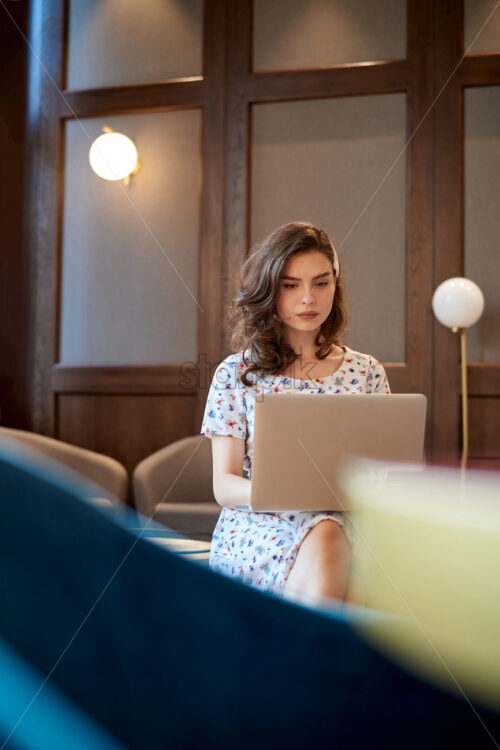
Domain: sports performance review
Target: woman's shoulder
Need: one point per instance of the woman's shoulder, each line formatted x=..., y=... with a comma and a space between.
x=369, y=368
x=365, y=360
x=235, y=361
x=229, y=370
x=365, y=364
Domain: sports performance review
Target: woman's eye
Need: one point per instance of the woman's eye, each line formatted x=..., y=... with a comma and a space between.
x=293, y=286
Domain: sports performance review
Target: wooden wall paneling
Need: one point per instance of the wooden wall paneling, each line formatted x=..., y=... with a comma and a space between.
x=14, y=295
x=480, y=70
x=61, y=141
x=237, y=145
x=398, y=376
x=128, y=427
x=448, y=227
x=419, y=202
x=227, y=90
x=46, y=77
x=484, y=435
x=150, y=97
x=483, y=377
x=352, y=79
x=211, y=267
x=180, y=397
x=342, y=80
x=160, y=379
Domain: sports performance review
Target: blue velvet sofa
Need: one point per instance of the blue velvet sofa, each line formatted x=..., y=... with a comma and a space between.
x=113, y=637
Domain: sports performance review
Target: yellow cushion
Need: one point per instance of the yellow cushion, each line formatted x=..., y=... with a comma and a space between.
x=428, y=551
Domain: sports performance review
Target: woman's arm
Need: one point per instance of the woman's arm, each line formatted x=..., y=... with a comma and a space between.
x=230, y=487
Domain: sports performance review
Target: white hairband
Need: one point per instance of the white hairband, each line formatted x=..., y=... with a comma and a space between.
x=336, y=265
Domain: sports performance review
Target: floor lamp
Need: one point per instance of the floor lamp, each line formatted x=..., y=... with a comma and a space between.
x=458, y=303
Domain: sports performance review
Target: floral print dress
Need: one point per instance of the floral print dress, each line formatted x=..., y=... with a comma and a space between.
x=256, y=547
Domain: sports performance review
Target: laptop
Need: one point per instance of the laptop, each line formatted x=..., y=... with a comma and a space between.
x=301, y=440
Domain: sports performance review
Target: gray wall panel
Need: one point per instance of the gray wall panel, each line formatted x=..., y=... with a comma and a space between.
x=482, y=219
x=130, y=254
x=303, y=34
x=331, y=161
x=119, y=42
x=481, y=26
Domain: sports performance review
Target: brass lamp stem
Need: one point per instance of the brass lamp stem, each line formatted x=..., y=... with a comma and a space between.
x=465, y=416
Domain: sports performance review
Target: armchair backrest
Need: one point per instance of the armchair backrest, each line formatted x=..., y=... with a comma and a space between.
x=179, y=473
x=103, y=470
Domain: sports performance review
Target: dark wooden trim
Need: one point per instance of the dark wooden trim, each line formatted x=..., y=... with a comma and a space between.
x=59, y=240
x=419, y=207
x=42, y=219
x=398, y=375
x=65, y=44
x=61, y=144
x=483, y=379
x=15, y=407
x=419, y=199
x=483, y=464
x=480, y=70
x=151, y=97
x=179, y=379
x=211, y=265
x=339, y=80
x=237, y=146
x=448, y=229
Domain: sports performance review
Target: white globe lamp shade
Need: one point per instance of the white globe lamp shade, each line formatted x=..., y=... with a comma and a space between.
x=113, y=156
x=458, y=303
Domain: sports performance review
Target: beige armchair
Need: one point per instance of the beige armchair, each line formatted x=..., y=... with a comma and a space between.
x=175, y=486
x=102, y=470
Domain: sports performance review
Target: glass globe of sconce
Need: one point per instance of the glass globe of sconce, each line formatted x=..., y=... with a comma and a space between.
x=113, y=156
x=458, y=303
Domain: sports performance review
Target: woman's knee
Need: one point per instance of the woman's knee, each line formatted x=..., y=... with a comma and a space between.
x=326, y=535
x=322, y=562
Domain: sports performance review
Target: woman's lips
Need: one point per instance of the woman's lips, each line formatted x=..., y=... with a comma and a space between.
x=307, y=315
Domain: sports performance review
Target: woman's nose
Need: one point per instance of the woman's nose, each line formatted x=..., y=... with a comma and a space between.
x=307, y=296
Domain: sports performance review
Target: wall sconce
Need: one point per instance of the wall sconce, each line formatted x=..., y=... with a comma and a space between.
x=113, y=156
x=458, y=303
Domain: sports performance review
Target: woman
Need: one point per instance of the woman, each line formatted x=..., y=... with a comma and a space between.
x=287, y=320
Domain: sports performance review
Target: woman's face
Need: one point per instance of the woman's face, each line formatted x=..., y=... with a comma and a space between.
x=307, y=284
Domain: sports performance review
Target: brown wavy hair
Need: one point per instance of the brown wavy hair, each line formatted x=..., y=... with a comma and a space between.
x=253, y=316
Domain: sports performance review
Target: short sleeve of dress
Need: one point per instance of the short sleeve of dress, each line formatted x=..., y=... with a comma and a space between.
x=225, y=410
x=377, y=379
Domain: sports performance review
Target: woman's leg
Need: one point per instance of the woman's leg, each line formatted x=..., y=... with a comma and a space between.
x=322, y=564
